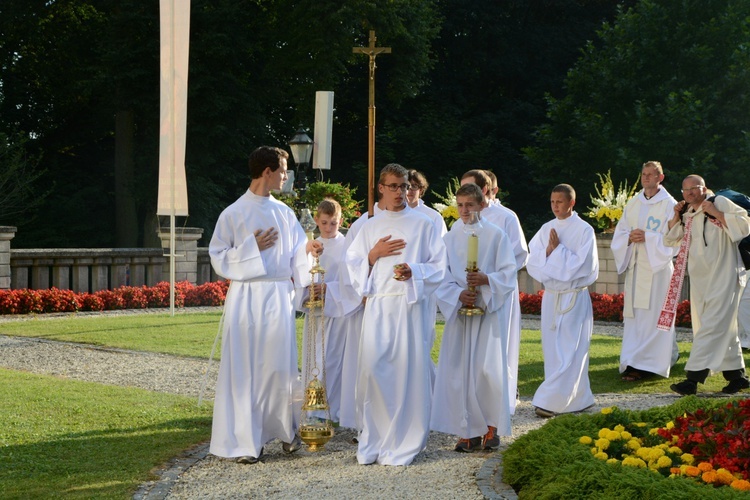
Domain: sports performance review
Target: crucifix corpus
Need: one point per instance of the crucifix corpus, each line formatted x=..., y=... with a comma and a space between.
x=372, y=51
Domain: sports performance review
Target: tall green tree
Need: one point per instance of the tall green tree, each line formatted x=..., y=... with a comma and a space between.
x=667, y=81
x=486, y=95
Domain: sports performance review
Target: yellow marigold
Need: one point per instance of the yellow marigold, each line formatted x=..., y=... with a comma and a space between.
x=634, y=444
x=692, y=471
x=594, y=450
x=687, y=458
x=670, y=425
x=612, y=461
x=664, y=461
x=619, y=428
x=643, y=452
x=585, y=440
x=640, y=424
x=634, y=462
x=602, y=443
x=675, y=450
x=613, y=436
x=663, y=446
x=655, y=453
x=705, y=467
x=606, y=411
x=603, y=432
x=626, y=435
x=740, y=484
x=653, y=432
x=601, y=456
x=724, y=476
x=675, y=438
x=709, y=477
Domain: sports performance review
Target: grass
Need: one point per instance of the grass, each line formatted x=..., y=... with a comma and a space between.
x=84, y=439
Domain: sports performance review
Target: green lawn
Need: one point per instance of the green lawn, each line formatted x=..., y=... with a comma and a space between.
x=85, y=439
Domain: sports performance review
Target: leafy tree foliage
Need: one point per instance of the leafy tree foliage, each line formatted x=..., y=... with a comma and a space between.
x=494, y=63
x=665, y=81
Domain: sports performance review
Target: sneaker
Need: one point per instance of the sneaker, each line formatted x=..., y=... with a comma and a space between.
x=469, y=445
x=295, y=445
x=541, y=412
x=247, y=459
x=491, y=440
x=736, y=385
x=685, y=388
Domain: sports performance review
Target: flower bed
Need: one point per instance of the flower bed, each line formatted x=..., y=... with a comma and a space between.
x=695, y=448
x=25, y=301
x=606, y=307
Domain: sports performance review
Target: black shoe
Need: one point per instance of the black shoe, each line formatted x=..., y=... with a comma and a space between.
x=250, y=460
x=469, y=445
x=295, y=445
x=736, y=385
x=491, y=440
x=685, y=388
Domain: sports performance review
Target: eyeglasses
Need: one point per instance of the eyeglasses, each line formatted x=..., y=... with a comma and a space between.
x=397, y=187
x=414, y=187
x=687, y=190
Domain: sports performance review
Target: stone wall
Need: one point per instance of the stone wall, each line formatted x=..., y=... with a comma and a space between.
x=609, y=281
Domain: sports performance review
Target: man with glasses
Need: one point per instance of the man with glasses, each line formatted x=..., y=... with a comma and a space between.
x=707, y=234
x=396, y=261
x=639, y=251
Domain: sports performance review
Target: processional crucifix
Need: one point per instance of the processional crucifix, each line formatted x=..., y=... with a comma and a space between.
x=371, y=51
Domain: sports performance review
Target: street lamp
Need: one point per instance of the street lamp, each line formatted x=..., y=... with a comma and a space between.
x=301, y=146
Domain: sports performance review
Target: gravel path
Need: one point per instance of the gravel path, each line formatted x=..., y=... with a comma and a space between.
x=436, y=473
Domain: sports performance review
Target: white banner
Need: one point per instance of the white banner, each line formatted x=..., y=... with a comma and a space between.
x=175, y=43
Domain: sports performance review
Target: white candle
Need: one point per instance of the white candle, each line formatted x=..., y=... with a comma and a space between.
x=310, y=235
x=473, y=251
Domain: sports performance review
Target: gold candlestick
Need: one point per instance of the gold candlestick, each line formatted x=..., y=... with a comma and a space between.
x=472, y=228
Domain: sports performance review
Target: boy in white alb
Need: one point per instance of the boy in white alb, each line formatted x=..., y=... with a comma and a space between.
x=396, y=260
x=470, y=397
x=339, y=302
x=563, y=257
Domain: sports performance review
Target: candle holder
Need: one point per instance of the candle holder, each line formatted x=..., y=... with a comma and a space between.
x=471, y=228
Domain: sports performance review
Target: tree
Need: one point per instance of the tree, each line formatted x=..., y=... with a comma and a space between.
x=494, y=63
x=665, y=81
x=19, y=200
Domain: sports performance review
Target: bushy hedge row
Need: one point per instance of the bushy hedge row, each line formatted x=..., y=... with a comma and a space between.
x=606, y=307
x=24, y=301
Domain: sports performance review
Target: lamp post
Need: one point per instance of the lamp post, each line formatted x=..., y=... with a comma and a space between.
x=301, y=146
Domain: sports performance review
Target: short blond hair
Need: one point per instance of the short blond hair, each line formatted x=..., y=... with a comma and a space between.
x=329, y=206
x=654, y=164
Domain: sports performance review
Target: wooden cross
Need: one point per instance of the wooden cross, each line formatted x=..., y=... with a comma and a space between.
x=373, y=52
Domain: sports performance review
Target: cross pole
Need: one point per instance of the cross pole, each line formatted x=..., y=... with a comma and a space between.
x=371, y=51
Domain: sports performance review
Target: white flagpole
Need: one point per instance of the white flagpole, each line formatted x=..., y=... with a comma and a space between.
x=175, y=41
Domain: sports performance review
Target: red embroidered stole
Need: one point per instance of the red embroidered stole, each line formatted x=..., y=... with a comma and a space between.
x=669, y=308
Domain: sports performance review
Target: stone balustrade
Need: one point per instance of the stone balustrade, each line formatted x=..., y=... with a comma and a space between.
x=93, y=269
